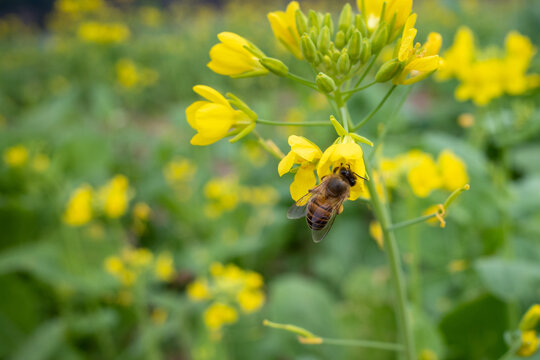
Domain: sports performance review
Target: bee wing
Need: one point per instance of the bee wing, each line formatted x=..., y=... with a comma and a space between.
x=299, y=209
x=318, y=235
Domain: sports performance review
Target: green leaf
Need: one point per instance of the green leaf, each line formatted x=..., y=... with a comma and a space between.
x=42, y=344
x=510, y=280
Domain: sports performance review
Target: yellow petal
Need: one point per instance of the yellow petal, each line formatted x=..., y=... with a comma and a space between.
x=191, y=110
x=233, y=40
x=286, y=163
x=401, y=8
x=406, y=47
x=304, y=180
x=433, y=44
x=226, y=61
x=214, y=120
x=323, y=168
x=304, y=148
x=424, y=64
x=199, y=139
x=211, y=95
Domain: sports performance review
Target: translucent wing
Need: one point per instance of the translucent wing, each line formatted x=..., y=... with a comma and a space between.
x=299, y=209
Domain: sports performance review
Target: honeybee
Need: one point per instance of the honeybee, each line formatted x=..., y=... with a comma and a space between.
x=322, y=203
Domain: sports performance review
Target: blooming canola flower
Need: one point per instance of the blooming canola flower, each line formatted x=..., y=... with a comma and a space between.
x=418, y=61
x=213, y=118
x=371, y=10
x=283, y=25
x=231, y=57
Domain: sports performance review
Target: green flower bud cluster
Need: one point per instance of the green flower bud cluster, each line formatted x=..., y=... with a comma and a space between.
x=338, y=52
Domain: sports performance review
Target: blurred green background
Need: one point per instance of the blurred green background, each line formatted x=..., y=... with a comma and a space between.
x=96, y=95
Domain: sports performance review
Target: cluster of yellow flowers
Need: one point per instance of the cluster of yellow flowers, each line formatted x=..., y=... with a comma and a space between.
x=529, y=335
x=76, y=8
x=112, y=199
x=18, y=156
x=228, y=287
x=225, y=193
x=134, y=263
x=141, y=214
x=129, y=75
x=103, y=33
x=488, y=74
x=179, y=171
x=423, y=174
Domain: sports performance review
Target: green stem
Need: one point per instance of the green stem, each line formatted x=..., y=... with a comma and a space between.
x=266, y=147
x=364, y=343
x=343, y=112
x=398, y=279
x=371, y=114
x=298, y=123
x=412, y=222
x=302, y=81
x=366, y=71
x=514, y=347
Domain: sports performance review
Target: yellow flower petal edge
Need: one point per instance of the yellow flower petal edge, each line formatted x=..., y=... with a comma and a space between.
x=283, y=25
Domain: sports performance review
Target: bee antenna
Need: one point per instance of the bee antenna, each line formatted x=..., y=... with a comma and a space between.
x=361, y=177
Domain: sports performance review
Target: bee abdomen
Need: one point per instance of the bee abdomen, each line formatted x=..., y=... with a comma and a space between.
x=318, y=215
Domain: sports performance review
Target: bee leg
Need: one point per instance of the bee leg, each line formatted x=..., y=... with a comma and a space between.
x=340, y=209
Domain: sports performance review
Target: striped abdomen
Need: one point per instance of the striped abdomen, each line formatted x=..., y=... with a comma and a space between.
x=318, y=214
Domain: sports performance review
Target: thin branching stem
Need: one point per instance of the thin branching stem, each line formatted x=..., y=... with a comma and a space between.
x=371, y=114
x=292, y=123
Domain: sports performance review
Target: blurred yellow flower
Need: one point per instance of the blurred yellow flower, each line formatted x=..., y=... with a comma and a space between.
x=103, y=33
x=179, y=170
x=159, y=316
x=230, y=57
x=16, y=156
x=424, y=176
x=459, y=56
x=150, y=16
x=129, y=75
x=232, y=287
x=427, y=354
x=222, y=194
x=198, y=290
x=250, y=301
x=219, y=314
x=164, y=267
x=453, y=170
x=141, y=211
x=306, y=154
x=531, y=318
x=375, y=230
x=457, y=265
x=79, y=208
x=371, y=11
x=345, y=152
x=138, y=258
x=114, y=265
x=417, y=61
x=213, y=119
x=78, y=7
x=283, y=25
x=115, y=196
x=481, y=82
x=529, y=343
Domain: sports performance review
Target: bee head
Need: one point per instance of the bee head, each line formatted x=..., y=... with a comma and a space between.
x=347, y=174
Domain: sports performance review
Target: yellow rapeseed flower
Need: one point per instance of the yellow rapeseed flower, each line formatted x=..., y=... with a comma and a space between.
x=159, y=316
x=103, y=33
x=531, y=318
x=306, y=154
x=219, y=314
x=458, y=58
x=164, y=267
x=371, y=11
x=141, y=211
x=214, y=118
x=40, y=162
x=518, y=56
x=344, y=152
x=529, y=343
x=481, y=81
x=230, y=57
x=417, y=61
x=115, y=196
x=198, y=290
x=283, y=25
x=126, y=73
x=222, y=194
x=375, y=230
x=424, y=176
x=114, y=265
x=453, y=170
x=250, y=300
x=79, y=208
x=16, y=156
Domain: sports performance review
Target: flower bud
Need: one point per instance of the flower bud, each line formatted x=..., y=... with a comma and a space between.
x=327, y=61
x=360, y=24
x=327, y=21
x=345, y=18
x=309, y=51
x=301, y=22
x=366, y=50
x=314, y=34
x=313, y=20
x=379, y=38
x=242, y=106
x=274, y=65
x=340, y=39
x=387, y=71
x=325, y=83
x=344, y=63
x=354, y=46
x=323, y=43
x=334, y=53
